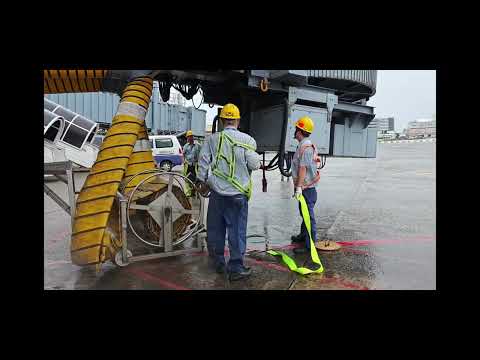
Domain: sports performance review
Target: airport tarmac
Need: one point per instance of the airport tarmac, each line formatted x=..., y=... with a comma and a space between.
x=382, y=211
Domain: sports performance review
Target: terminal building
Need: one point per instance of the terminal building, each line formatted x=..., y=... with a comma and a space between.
x=384, y=124
x=422, y=128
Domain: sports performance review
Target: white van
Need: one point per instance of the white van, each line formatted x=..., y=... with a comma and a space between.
x=167, y=151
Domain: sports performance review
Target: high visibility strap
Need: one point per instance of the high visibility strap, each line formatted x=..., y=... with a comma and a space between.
x=316, y=159
x=185, y=168
x=313, y=251
x=231, y=162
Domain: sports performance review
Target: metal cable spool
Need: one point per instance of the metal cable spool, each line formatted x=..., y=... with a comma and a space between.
x=151, y=196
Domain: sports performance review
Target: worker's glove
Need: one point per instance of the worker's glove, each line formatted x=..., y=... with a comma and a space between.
x=298, y=192
x=202, y=188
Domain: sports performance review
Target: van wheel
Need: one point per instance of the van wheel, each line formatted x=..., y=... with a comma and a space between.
x=166, y=165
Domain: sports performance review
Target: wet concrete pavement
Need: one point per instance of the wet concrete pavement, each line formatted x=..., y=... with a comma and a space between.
x=381, y=210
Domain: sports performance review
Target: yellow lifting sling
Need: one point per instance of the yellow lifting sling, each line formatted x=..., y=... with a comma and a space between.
x=313, y=251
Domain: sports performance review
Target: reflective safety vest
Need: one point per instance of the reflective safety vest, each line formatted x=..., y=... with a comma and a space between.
x=185, y=168
x=316, y=158
x=230, y=177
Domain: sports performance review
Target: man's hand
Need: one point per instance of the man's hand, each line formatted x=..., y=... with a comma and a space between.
x=298, y=192
x=202, y=188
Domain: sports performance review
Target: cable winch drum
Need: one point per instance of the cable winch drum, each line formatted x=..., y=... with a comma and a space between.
x=185, y=220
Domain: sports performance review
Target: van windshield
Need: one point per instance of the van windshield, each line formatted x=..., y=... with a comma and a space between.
x=163, y=143
x=97, y=141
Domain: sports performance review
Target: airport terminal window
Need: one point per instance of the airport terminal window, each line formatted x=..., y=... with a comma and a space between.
x=49, y=106
x=46, y=120
x=75, y=136
x=84, y=123
x=163, y=143
x=66, y=114
x=92, y=134
x=52, y=131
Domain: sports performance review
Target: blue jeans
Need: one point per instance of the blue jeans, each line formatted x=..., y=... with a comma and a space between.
x=310, y=196
x=228, y=213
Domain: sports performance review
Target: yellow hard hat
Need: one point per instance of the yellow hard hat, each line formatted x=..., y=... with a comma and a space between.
x=230, y=111
x=305, y=123
x=189, y=133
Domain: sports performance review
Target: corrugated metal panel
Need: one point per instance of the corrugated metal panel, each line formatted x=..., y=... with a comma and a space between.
x=101, y=107
x=365, y=77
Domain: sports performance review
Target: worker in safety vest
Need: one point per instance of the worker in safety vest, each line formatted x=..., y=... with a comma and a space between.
x=227, y=159
x=191, y=151
x=305, y=176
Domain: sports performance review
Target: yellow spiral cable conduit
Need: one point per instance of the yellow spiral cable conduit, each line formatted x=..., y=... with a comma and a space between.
x=125, y=152
x=72, y=81
x=91, y=241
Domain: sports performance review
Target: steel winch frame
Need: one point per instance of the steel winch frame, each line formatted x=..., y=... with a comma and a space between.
x=125, y=257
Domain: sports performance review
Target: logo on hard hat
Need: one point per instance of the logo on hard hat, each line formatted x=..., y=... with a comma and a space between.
x=300, y=124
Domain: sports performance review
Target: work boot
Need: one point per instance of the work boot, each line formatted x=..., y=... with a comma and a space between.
x=242, y=274
x=211, y=252
x=220, y=269
x=298, y=239
x=301, y=250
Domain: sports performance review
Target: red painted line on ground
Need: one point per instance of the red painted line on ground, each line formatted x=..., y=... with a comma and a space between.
x=356, y=251
x=369, y=242
x=258, y=262
x=288, y=247
x=267, y=265
x=155, y=279
x=336, y=281
x=384, y=241
x=343, y=283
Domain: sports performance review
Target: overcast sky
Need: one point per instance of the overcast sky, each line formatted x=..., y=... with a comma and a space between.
x=406, y=95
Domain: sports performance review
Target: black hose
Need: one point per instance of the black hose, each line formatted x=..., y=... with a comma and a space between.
x=281, y=154
x=214, y=125
x=264, y=179
x=203, y=98
x=323, y=161
x=164, y=90
x=270, y=164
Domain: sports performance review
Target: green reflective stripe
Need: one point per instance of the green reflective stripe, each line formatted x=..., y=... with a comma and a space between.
x=231, y=162
x=313, y=250
x=185, y=169
x=233, y=142
x=219, y=146
x=245, y=146
x=232, y=168
x=235, y=183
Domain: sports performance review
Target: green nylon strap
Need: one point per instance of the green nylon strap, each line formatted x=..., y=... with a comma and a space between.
x=313, y=251
x=231, y=162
